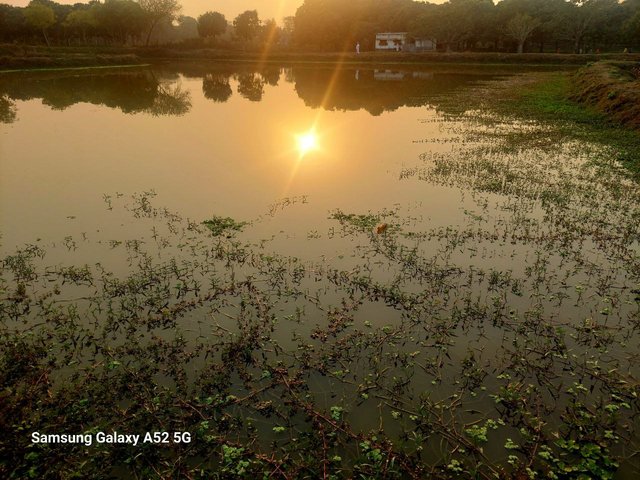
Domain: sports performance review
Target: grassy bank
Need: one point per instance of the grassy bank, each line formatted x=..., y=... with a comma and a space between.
x=27, y=57
x=565, y=99
x=67, y=61
x=612, y=88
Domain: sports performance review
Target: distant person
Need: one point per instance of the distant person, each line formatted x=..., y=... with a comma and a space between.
x=626, y=50
x=358, y=48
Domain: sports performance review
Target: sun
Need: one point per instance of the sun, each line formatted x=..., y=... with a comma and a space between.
x=307, y=142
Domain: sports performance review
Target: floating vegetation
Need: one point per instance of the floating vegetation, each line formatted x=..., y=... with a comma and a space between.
x=286, y=202
x=220, y=225
x=503, y=344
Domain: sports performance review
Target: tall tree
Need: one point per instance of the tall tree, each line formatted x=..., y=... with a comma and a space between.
x=545, y=11
x=119, y=19
x=484, y=27
x=582, y=19
x=288, y=26
x=632, y=28
x=211, y=24
x=187, y=28
x=520, y=27
x=450, y=23
x=81, y=21
x=605, y=28
x=270, y=33
x=40, y=17
x=159, y=10
x=12, y=22
x=247, y=25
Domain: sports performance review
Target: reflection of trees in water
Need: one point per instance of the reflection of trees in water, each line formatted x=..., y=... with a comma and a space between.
x=251, y=86
x=216, y=87
x=373, y=91
x=271, y=75
x=130, y=92
x=216, y=80
x=170, y=100
x=8, y=112
x=159, y=92
x=288, y=75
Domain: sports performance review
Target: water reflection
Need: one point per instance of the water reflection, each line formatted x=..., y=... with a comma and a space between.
x=307, y=142
x=215, y=86
x=7, y=110
x=158, y=91
x=376, y=91
x=170, y=99
x=130, y=92
x=251, y=86
x=271, y=75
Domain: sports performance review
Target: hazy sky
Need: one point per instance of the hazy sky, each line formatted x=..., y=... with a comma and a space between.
x=229, y=8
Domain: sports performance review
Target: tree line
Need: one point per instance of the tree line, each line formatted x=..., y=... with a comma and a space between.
x=335, y=25
x=508, y=25
x=109, y=22
x=124, y=22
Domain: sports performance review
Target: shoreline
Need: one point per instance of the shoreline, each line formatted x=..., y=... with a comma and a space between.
x=555, y=98
x=611, y=88
x=38, y=58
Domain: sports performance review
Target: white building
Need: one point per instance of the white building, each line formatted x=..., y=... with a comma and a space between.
x=401, y=41
x=391, y=41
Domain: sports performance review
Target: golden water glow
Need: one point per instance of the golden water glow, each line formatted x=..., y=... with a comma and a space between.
x=307, y=142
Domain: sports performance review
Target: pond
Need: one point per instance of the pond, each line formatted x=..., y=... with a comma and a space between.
x=220, y=140
x=313, y=271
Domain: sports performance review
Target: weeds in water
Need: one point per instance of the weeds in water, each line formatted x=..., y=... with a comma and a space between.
x=220, y=225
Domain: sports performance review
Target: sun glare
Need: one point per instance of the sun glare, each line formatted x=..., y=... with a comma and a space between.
x=307, y=142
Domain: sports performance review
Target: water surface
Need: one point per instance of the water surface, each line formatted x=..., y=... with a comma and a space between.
x=432, y=276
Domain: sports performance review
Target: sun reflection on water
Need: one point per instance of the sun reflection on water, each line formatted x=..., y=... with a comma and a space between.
x=307, y=142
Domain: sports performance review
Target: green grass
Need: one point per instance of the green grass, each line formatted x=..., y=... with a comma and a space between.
x=548, y=100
